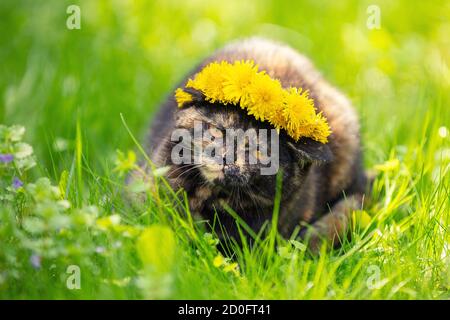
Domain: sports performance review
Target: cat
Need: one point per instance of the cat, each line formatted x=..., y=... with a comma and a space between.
x=322, y=184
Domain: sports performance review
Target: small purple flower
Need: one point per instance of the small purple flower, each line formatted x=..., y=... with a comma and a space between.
x=17, y=183
x=35, y=261
x=6, y=158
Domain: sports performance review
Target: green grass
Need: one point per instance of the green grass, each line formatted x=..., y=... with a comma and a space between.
x=68, y=88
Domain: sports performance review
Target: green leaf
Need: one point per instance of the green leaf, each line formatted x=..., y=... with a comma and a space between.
x=298, y=245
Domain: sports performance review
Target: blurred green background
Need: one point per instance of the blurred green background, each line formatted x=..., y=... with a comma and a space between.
x=128, y=56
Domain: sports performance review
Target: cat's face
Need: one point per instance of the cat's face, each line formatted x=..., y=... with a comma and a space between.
x=236, y=149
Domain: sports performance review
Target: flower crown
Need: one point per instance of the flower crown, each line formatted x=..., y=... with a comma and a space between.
x=263, y=97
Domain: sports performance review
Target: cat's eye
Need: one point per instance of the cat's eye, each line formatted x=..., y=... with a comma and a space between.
x=215, y=132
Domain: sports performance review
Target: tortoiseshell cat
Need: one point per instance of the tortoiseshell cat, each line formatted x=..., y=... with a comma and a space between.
x=322, y=183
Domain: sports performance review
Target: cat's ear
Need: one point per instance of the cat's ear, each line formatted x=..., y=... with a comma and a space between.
x=196, y=97
x=188, y=97
x=311, y=151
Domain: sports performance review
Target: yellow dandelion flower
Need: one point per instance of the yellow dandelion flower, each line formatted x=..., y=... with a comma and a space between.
x=294, y=133
x=218, y=261
x=317, y=130
x=182, y=97
x=301, y=118
x=262, y=97
x=298, y=132
x=276, y=118
x=191, y=84
x=265, y=94
x=238, y=79
x=321, y=130
x=233, y=268
x=299, y=109
x=210, y=81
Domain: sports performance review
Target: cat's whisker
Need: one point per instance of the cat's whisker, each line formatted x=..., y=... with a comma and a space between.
x=188, y=171
x=180, y=168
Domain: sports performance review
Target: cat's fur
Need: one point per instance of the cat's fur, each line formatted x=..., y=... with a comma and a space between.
x=322, y=184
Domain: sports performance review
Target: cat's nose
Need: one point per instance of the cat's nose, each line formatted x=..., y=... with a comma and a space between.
x=233, y=175
x=231, y=170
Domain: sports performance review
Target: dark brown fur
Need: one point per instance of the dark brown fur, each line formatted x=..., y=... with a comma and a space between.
x=319, y=189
